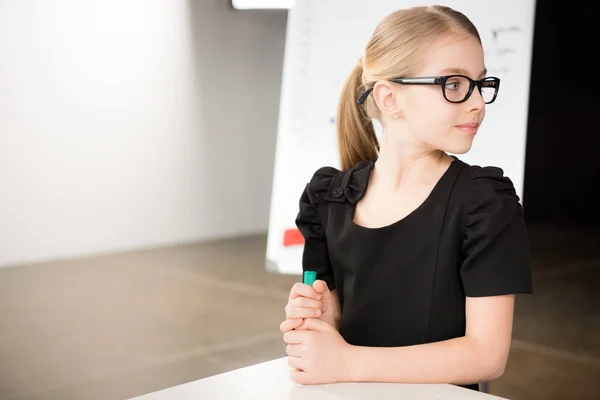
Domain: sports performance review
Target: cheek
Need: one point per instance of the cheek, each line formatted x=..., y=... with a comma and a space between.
x=423, y=104
x=437, y=118
x=432, y=117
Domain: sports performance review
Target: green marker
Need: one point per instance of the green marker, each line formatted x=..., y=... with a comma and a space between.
x=310, y=277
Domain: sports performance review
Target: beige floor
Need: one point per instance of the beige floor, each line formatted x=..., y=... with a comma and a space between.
x=122, y=325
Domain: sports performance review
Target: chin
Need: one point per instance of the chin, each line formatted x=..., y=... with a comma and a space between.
x=459, y=148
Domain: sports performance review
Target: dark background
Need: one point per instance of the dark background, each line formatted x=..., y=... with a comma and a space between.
x=562, y=168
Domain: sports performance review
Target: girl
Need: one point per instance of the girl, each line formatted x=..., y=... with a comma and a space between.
x=418, y=255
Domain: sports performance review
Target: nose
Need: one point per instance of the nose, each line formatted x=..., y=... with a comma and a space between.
x=476, y=102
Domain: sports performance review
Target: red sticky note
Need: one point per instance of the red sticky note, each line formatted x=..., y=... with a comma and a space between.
x=292, y=237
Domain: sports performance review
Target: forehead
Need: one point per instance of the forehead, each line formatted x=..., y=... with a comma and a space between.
x=452, y=54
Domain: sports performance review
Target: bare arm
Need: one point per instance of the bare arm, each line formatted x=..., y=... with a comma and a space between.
x=478, y=356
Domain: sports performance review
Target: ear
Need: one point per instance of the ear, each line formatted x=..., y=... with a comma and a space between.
x=385, y=94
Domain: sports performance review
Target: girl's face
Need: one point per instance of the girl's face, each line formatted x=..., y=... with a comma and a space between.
x=428, y=117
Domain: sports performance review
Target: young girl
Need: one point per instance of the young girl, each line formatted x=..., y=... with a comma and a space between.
x=418, y=255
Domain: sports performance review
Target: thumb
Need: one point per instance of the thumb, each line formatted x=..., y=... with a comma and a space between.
x=321, y=287
x=315, y=324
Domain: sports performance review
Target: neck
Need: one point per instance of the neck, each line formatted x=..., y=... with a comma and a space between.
x=405, y=163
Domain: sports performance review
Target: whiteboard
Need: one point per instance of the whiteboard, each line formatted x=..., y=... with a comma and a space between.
x=324, y=40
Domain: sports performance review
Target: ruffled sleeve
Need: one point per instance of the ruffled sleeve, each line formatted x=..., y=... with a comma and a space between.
x=495, y=246
x=310, y=222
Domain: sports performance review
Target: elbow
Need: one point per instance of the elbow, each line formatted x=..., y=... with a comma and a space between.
x=492, y=360
x=494, y=368
x=495, y=371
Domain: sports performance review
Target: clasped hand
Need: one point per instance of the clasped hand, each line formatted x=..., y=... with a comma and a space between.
x=317, y=352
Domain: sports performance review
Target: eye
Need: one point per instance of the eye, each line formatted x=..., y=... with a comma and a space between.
x=454, y=84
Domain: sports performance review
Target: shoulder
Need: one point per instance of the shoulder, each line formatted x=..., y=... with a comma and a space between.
x=490, y=194
x=329, y=184
x=491, y=179
x=318, y=185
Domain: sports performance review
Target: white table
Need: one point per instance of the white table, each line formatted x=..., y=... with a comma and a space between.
x=271, y=380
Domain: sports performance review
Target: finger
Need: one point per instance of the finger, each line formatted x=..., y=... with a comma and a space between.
x=315, y=324
x=326, y=294
x=293, y=350
x=306, y=302
x=299, y=376
x=294, y=313
x=303, y=290
x=290, y=324
x=295, y=362
x=294, y=337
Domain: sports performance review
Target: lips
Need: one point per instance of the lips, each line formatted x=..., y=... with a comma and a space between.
x=470, y=128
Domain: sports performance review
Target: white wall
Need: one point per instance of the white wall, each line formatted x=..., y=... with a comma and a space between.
x=130, y=124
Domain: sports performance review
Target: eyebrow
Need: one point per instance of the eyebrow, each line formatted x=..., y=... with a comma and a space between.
x=461, y=71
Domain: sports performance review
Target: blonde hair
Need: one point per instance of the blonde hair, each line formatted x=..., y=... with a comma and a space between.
x=396, y=47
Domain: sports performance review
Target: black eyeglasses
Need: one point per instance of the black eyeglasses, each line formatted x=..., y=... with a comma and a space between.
x=455, y=88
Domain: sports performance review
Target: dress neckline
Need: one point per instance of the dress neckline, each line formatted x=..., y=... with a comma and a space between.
x=411, y=214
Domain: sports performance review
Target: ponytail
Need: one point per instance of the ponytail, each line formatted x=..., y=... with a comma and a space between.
x=357, y=140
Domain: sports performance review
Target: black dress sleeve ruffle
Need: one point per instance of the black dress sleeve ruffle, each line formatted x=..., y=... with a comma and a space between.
x=495, y=245
x=311, y=223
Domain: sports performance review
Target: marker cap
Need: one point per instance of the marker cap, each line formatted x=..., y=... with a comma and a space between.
x=310, y=277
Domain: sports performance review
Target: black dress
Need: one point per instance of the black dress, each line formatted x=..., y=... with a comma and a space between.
x=405, y=284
